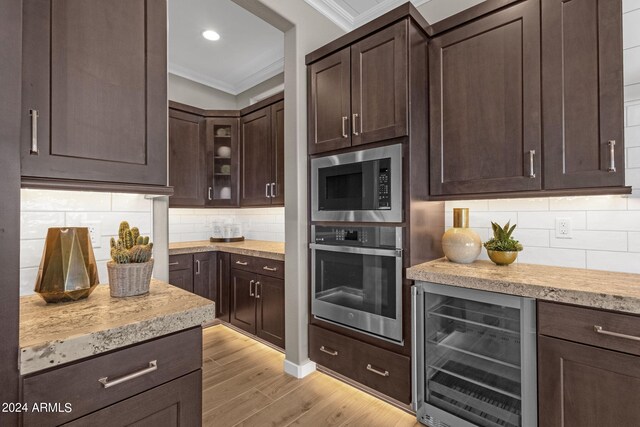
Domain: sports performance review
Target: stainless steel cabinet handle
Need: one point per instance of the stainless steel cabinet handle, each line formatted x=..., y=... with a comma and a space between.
x=329, y=351
x=242, y=263
x=209, y=193
x=197, y=266
x=273, y=189
x=251, y=291
x=34, y=131
x=599, y=330
x=174, y=263
x=532, y=171
x=355, y=129
x=266, y=191
x=344, y=127
x=153, y=366
x=612, y=156
x=269, y=268
x=258, y=293
x=376, y=371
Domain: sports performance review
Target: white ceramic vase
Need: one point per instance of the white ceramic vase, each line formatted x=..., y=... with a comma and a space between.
x=461, y=244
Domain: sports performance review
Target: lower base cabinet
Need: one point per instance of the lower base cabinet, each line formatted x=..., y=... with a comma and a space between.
x=102, y=390
x=382, y=370
x=257, y=300
x=594, y=382
x=175, y=404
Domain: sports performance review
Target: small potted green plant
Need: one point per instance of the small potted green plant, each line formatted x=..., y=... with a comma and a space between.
x=502, y=248
x=131, y=264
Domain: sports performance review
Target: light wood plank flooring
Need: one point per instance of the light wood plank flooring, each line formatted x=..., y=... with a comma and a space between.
x=244, y=385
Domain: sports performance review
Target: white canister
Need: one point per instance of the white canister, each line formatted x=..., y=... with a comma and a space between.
x=224, y=151
x=225, y=193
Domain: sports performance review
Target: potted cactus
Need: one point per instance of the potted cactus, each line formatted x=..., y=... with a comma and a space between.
x=502, y=248
x=131, y=263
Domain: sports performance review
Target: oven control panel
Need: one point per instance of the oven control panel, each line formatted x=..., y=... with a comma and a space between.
x=372, y=237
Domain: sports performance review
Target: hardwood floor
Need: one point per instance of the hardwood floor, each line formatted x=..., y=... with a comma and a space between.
x=244, y=385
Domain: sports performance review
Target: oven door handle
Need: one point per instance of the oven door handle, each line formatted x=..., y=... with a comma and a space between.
x=355, y=250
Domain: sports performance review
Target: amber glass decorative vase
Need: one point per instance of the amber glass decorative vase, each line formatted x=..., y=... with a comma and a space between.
x=461, y=244
x=68, y=270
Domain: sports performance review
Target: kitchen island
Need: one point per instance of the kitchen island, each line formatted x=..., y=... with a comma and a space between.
x=142, y=352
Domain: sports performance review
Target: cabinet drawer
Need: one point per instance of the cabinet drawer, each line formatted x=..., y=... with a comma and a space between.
x=174, y=355
x=382, y=370
x=180, y=262
x=243, y=262
x=264, y=266
x=578, y=324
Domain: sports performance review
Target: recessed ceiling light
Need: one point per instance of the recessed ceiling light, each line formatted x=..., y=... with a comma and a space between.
x=211, y=35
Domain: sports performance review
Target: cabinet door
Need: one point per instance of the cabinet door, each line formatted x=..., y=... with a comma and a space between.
x=182, y=279
x=204, y=276
x=583, y=93
x=256, y=151
x=177, y=403
x=270, y=310
x=379, y=85
x=96, y=73
x=580, y=385
x=243, y=300
x=223, y=293
x=485, y=104
x=277, y=159
x=223, y=161
x=330, y=102
x=186, y=159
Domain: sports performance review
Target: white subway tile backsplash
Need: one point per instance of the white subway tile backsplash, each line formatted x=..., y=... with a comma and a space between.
x=613, y=221
x=547, y=220
x=42, y=209
x=632, y=134
x=588, y=203
x=34, y=225
x=553, y=256
x=531, y=237
x=593, y=240
x=632, y=115
x=633, y=157
x=629, y=5
x=625, y=262
x=634, y=241
x=541, y=204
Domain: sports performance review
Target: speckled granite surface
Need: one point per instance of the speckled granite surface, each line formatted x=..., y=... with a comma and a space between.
x=592, y=288
x=54, y=334
x=257, y=248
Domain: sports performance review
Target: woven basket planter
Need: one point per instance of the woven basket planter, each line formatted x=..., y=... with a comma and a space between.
x=127, y=280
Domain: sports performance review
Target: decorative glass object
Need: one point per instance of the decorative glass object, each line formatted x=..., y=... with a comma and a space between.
x=68, y=270
x=461, y=244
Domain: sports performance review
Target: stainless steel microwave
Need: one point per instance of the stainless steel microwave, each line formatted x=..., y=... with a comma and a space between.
x=361, y=186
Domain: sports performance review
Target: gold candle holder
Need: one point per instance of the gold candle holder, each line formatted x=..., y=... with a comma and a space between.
x=68, y=270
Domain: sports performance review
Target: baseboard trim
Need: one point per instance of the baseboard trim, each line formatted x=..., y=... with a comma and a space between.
x=299, y=371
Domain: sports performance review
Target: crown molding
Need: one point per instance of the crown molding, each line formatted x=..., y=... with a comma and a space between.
x=349, y=22
x=234, y=89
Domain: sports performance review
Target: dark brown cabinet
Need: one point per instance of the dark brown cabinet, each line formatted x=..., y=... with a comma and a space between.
x=257, y=297
x=204, y=275
x=174, y=387
x=223, y=161
x=594, y=379
x=485, y=104
x=359, y=94
x=223, y=292
x=182, y=279
x=186, y=159
x=94, y=91
x=262, y=153
x=583, y=93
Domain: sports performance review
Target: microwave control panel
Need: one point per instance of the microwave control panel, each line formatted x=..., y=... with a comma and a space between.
x=384, y=188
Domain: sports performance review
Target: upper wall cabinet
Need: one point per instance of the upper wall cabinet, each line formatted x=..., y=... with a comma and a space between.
x=358, y=95
x=186, y=158
x=485, y=104
x=583, y=93
x=95, y=91
x=223, y=161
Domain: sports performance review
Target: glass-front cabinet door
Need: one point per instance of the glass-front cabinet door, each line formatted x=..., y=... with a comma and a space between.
x=223, y=159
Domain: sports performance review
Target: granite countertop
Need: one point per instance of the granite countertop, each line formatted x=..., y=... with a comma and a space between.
x=55, y=334
x=257, y=248
x=593, y=288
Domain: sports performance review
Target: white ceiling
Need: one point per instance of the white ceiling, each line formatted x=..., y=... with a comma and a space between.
x=249, y=51
x=350, y=14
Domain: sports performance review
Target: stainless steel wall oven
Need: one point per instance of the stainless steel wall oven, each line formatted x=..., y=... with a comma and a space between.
x=362, y=186
x=356, y=278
